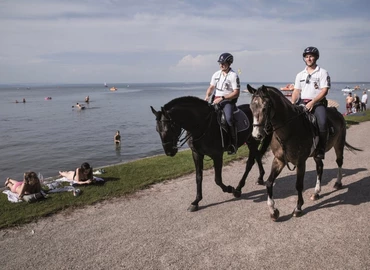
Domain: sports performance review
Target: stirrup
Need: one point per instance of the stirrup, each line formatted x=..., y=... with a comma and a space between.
x=320, y=154
x=231, y=149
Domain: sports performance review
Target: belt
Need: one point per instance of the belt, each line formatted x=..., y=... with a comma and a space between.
x=306, y=100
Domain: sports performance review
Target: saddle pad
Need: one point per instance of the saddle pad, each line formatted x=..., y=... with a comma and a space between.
x=241, y=120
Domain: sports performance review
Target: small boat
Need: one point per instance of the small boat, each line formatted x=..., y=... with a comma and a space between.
x=287, y=90
x=105, y=84
x=113, y=88
x=347, y=89
x=288, y=87
x=47, y=98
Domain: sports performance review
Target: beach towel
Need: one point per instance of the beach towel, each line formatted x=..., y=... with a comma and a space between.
x=12, y=197
x=72, y=182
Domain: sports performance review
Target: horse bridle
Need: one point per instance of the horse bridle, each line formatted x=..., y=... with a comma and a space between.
x=182, y=141
x=267, y=126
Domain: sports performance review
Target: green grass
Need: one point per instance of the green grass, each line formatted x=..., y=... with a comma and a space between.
x=356, y=119
x=120, y=179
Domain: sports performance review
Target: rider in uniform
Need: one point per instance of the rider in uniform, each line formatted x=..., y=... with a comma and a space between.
x=311, y=86
x=227, y=84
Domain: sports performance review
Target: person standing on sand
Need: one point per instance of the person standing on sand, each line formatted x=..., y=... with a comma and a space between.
x=356, y=103
x=363, y=101
x=312, y=85
x=349, y=101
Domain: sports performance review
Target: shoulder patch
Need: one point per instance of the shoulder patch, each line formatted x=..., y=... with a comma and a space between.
x=238, y=82
x=328, y=79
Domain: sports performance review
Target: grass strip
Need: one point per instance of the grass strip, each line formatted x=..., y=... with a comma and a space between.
x=121, y=179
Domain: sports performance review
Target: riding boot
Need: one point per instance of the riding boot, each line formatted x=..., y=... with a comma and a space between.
x=320, y=149
x=233, y=146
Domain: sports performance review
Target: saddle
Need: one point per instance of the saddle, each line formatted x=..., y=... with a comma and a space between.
x=241, y=121
x=315, y=129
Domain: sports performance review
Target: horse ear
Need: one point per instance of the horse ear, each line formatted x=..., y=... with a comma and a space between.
x=155, y=112
x=264, y=88
x=251, y=89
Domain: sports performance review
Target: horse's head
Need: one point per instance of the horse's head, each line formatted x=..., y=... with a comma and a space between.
x=168, y=131
x=261, y=108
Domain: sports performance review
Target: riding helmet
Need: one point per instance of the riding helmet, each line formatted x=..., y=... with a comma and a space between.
x=311, y=50
x=226, y=58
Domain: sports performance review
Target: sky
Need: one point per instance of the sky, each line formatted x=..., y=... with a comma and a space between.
x=144, y=41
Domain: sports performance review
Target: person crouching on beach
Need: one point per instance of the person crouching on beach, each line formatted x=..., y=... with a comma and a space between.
x=30, y=184
x=80, y=176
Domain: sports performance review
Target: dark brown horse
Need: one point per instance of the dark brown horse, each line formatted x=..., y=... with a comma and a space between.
x=293, y=140
x=205, y=137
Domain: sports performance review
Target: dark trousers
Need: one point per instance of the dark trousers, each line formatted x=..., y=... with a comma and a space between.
x=320, y=112
x=228, y=108
x=363, y=106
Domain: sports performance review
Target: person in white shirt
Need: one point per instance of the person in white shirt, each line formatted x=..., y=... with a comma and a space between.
x=363, y=101
x=227, y=85
x=311, y=87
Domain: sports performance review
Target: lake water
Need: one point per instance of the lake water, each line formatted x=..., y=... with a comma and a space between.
x=49, y=135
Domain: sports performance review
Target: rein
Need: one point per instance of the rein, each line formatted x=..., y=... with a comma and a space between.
x=189, y=135
x=268, y=126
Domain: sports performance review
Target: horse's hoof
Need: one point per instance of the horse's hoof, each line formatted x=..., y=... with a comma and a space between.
x=193, y=208
x=260, y=182
x=297, y=213
x=230, y=189
x=338, y=185
x=315, y=197
x=275, y=215
x=237, y=193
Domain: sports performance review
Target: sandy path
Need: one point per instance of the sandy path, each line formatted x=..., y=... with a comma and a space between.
x=153, y=230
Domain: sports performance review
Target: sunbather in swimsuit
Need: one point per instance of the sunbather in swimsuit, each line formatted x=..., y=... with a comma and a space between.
x=82, y=175
x=14, y=187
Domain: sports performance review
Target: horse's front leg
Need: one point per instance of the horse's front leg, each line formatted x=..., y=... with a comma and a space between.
x=319, y=171
x=217, y=163
x=253, y=155
x=301, y=170
x=276, y=168
x=198, y=162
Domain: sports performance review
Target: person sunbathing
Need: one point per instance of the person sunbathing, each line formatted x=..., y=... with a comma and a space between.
x=81, y=176
x=30, y=184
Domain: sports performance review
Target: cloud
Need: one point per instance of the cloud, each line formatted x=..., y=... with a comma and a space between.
x=122, y=39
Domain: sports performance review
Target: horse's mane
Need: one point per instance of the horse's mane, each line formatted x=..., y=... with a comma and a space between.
x=194, y=101
x=284, y=100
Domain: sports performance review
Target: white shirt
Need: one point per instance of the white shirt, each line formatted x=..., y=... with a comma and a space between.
x=225, y=84
x=364, y=98
x=318, y=80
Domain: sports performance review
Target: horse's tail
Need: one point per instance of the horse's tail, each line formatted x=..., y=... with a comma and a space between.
x=351, y=148
x=265, y=144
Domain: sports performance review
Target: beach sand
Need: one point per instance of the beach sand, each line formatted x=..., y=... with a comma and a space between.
x=152, y=229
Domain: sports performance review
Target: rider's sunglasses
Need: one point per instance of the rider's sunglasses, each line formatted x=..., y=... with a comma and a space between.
x=308, y=78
